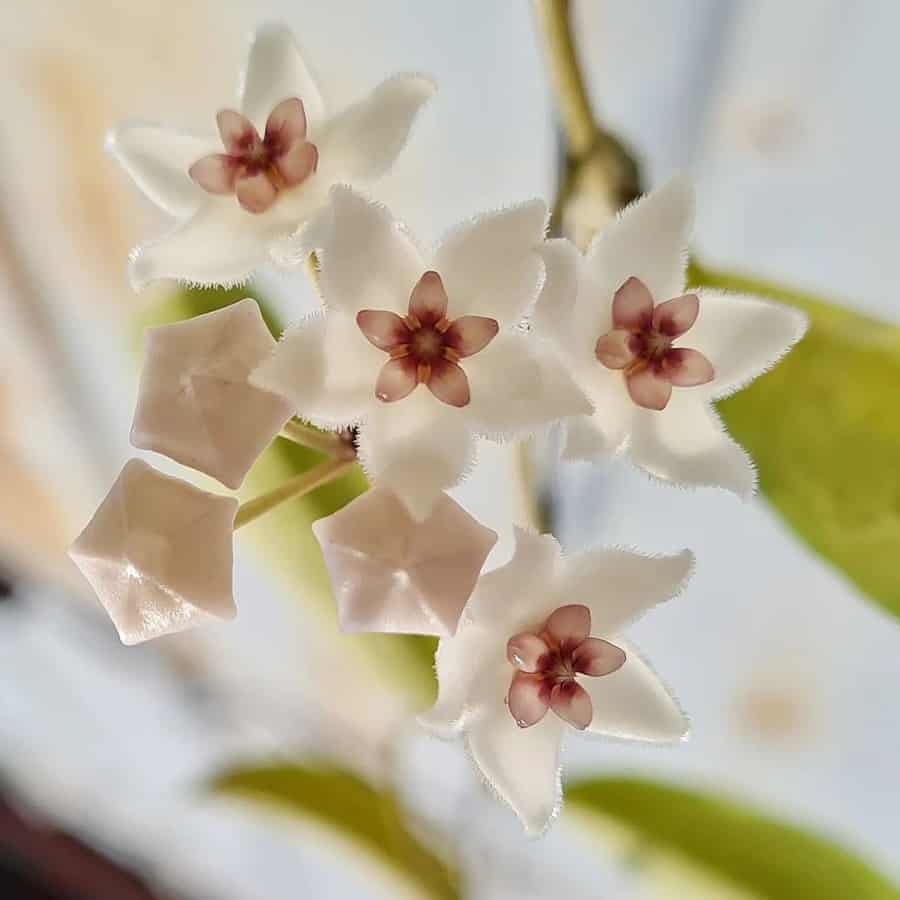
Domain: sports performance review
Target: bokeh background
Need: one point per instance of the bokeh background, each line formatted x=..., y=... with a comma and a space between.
x=111, y=758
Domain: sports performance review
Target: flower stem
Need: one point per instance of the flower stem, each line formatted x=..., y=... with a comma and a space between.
x=597, y=162
x=598, y=176
x=571, y=93
x=307, y=436
x=294, y=487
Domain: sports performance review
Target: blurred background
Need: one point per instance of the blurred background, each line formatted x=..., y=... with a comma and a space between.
x=215, y=765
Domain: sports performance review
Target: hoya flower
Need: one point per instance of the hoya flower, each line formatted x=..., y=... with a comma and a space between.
x=195, y=403
x=539, y=651
x=650, y=355
x=158, y=553
x=237, y=194
x=422, y=350
x=390, y=573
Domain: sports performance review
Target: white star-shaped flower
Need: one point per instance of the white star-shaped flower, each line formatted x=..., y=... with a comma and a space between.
x=652, y=357
x=236, y=196
x=423, y=350
x=539, y=648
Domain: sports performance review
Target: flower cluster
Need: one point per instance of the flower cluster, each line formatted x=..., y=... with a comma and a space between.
x=415, y=354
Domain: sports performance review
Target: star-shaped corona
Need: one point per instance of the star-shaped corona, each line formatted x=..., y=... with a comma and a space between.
x=641, y=344
x=550, y=660
x=424, y=346
x=256, y=168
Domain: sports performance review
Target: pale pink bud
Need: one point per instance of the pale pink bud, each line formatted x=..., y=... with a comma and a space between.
x=391, y=573
x=158, y=554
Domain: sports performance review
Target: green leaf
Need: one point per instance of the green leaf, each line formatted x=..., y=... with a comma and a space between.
x=285, y=535
x=344, y=802
x=823, y=430
x=757, y=855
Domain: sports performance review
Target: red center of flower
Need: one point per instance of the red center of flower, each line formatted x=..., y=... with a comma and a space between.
x=549, y=660
x=256, y=168
x=640, y=344
x=424, y=346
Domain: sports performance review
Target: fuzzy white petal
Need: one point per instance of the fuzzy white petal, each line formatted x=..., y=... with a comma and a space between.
x=363, y=141
x=517, y=385
x=518, y=595
x=367, y=259
x=618, y=586
x=687, y=443
x=417, y=447
x=275, y=71
x=326, y=368
x=520, y=764
x=472, y=668
x=473, y=657
x=607, y=429
x=648, y=240
x=222, y=243
x=158, y=159
x=211, y=247
x=491, y=266
x=633, y=703
x=742, y=337
x=553, y=313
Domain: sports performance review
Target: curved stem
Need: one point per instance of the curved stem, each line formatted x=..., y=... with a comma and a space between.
x=571, y=93
x=292, y=488
x=596, y=162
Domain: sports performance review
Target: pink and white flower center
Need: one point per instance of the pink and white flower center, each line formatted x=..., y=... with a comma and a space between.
x=424, y=346
x=256, y=168
x=549, y=661
x=641, y=344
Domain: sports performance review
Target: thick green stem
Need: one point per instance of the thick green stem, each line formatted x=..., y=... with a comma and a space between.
x=292, y=488
x=597, y=163
x=571, y=93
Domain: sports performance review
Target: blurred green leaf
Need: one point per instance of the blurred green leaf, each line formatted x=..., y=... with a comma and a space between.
x=344, y=802
x=824, y=430
x=285, y=534
x=756, y=854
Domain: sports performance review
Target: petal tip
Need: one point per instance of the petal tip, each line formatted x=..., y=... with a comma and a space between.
x=130, y=640
x=536, y=825
x=680, y=188
x=273, y=28
x=801, y=323
x=745, y=483
x=685, y=567
x=424, y=84
x=116, y=137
